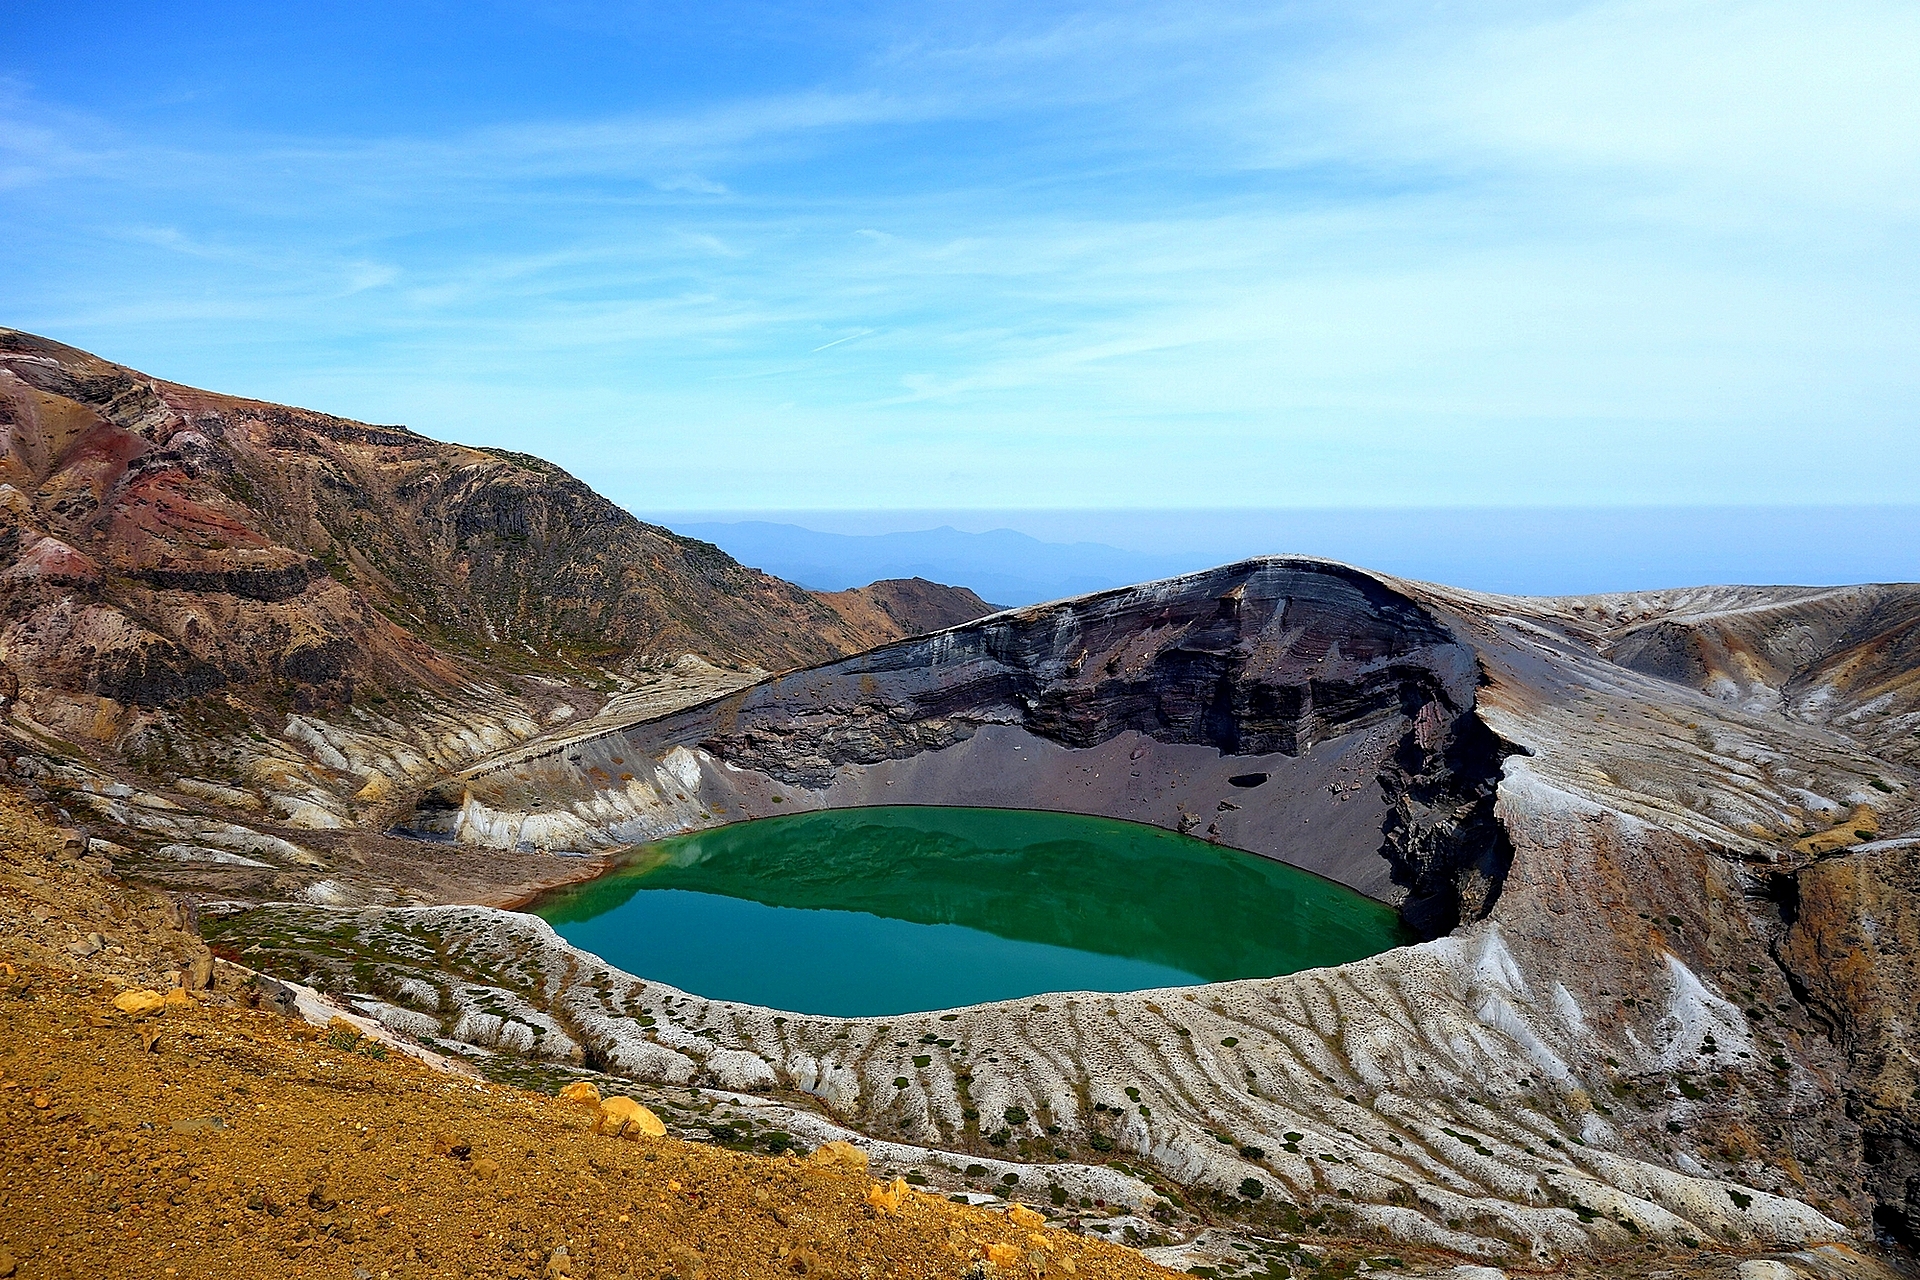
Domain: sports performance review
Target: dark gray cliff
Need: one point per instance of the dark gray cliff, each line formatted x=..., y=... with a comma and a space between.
x=1295, y=708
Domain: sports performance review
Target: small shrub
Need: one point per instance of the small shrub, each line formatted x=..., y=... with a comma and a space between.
x=1252, y=1188
x=1015, y=1115
x=1057, y=1194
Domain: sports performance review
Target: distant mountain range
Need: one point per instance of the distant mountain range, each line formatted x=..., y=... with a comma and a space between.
x=1023, y=557
x=1001, y=565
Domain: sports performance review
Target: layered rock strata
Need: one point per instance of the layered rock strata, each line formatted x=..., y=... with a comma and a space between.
x=1674, y=920
x=176, y=563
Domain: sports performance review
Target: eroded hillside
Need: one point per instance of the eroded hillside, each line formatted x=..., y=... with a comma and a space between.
x=216, y=1136
x=236, y=623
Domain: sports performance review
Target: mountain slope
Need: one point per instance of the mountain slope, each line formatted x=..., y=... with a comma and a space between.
x=162, y=544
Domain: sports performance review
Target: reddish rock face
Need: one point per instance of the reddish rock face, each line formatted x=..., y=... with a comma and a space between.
x=52, y=561
x=159, y=543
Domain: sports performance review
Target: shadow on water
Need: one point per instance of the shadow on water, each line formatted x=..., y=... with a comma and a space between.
x=873, y=911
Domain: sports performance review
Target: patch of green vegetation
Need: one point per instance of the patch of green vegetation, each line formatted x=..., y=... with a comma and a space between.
x=347, y=1041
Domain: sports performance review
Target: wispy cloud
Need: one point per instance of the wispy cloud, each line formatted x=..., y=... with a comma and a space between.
x=837, y=341
x=1296, y=253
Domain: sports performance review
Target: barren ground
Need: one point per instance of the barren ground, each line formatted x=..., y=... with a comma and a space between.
x=219, y=1139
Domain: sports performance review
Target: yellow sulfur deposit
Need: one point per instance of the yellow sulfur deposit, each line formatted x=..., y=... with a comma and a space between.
x=627, y=1118
x=888, y=1198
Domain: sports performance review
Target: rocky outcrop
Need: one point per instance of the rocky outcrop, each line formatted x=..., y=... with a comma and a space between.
x=906, y=606
x=1851, y=950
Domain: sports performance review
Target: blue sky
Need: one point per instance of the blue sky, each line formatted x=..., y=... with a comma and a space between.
x=735, y=255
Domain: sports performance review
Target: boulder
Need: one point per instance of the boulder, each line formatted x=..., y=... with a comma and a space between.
x=840, y=1155
x=581, y=1091
x=623, y=1117
x=140, y=1003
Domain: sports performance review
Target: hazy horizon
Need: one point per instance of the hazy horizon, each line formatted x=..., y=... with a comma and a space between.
x=1518, y=550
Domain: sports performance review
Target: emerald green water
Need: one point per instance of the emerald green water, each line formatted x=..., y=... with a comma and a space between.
x=861, y=912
